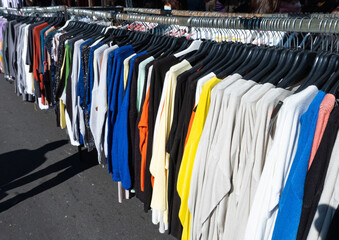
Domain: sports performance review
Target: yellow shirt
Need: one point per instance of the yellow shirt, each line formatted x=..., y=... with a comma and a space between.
x=186, y=167
x=61, y=104
x=126, y=69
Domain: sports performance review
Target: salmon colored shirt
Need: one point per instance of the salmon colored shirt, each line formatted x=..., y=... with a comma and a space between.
x=325, y=109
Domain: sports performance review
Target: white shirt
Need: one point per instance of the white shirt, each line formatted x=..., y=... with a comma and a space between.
x=240, y=148
x=264, y=209
x=256, y=158
x=99, y=99
x=200, y=161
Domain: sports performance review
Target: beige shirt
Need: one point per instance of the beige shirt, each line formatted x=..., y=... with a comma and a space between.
x=160, y=158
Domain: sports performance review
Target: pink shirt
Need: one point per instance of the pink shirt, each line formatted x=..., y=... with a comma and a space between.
x=325, y=109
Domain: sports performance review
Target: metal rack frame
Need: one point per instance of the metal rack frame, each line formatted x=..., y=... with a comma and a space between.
x=317, y=23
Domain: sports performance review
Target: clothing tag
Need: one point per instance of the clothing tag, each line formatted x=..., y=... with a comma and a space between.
x=274, y=116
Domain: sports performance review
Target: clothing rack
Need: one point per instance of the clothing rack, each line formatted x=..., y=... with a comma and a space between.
x=276, y=23
x=199, y=13
x=61, y=8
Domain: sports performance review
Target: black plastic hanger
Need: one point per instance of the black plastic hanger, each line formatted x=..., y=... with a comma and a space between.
x=317, y=70
x=222, y=60
x=208, y=63
x=256, y=75
x=332, y=81
x=281, y=70
x=245, y=56
x=254, y=62
x=303, y=68
x=331, y=67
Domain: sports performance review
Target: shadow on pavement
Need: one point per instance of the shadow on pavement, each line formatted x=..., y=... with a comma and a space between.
x=15, y=165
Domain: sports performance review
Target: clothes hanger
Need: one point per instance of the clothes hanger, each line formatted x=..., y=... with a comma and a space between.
x=305, y=65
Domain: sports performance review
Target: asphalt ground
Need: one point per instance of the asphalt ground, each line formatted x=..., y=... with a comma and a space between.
x=48, y=192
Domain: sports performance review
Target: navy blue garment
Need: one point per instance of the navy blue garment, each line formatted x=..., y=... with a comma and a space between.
x=90, y=76
x=81, y=84
x=120, y=151
x=119, y=55
x=290, y=203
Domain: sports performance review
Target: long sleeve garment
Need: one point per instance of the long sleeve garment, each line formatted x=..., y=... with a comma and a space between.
x=219, y=167
x=132, y=119
x=185, y=172
x=76, y=126
x=326, y=108
x=117, y=93
x=240, y=151
x=260, y=145
x=175, y=227
x=203, y=149
x=142, y=80
x=315, y=178
x=290, y=203
x=121, y=159
x=112, y=70
x=90, y=76
x=278, y=161
x=99, y=105
x=36, y=49
x=329, y=198
x=160, y=67
x=160, y=159
x=143, y=132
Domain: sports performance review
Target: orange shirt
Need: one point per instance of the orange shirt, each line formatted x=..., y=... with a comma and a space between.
x=190, y=126
x=143, y=132
x=36, y=59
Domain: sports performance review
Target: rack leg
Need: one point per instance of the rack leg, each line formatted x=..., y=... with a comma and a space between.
x=79, y=151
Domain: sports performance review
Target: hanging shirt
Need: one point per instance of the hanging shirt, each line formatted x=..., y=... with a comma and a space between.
x=220, y=167
x=200, y=160
x=315, y=178
x=260, y=145
x=278, y=162
x=240, y=150
x=185, y=172
x=99, y=105
x=160, y=159
x=113, y=75
x=286, y=225
x=142, y=80
x=326, y=108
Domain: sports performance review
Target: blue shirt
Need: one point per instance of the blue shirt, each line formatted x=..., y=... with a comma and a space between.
x=42, y=52
x=118, y=56
x=290, y=203
x=81, y=82
x=120, y=136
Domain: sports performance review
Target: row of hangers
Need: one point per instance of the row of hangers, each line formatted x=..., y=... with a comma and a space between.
x=278, y=65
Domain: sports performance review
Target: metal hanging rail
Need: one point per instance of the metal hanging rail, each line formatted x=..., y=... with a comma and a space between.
x=320, y=23
x=199, y=13
x=277, y=23
x=44, y=9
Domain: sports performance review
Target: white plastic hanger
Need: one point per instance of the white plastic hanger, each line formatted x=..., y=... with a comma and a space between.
x=193, y=47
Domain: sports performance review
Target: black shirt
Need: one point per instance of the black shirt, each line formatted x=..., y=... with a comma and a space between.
x=315, y=177
x=134, y=162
